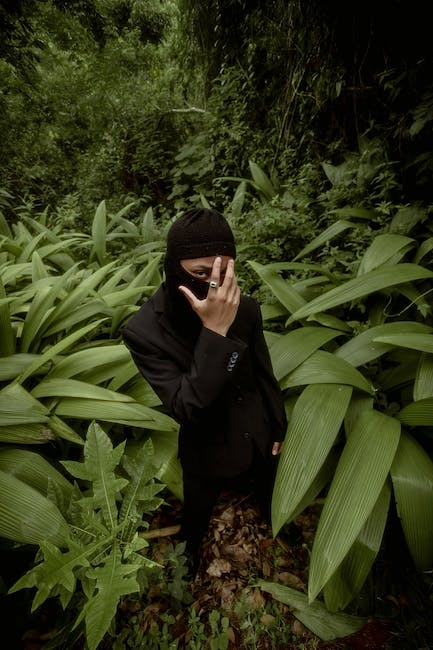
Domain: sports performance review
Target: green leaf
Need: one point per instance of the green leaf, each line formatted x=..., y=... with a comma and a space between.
x=315, y=616
x=17, y=406
x=365, y=346
x=412, y=478
x=33, y=469
x=313, y=428
x=57, y=349
x=238, y=200
x=418, y=413
x=59, y=387
x=332, y=231
x=382, y=278
x=282, y=289
x=139, y=496
x=385, y=249
x=15, y=364
x=421, y=342
x=111, y=356
x=358, y=480
x=131, y=413
x=262, y=181
x=325, y=368
x=113, y=580
x=349, y=577
x=99, y=232
x=423, y=386
x=27, y=516
x=100, y=461
x=290, y=350
x=7, y=337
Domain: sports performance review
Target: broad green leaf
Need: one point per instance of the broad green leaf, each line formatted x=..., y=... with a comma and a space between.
x=377, y=280
x=293, y=348
x=100, y=461
x=417, y=414
x=400, y=369
x=28, y=249
x=15, y=364
x=57, y=349
x=74, y=299
x=33, y=469
x=262, y=181
x=27, y=516
x=59, y=387
x=359, y=478
x=421, y=342
x=114, y=356
x=26, y=434
x=325, y=368
x=131, y=413
x=238, y=200
x=313, y=428
x=17, y=406
x=63, y=430
x=332, y=231
x=282, y=289
x=315, y=616
x=349, y=577
x=412, y=478
x=406, y=218
x=385, y=249
x=305, y=266
x=423, y=386
x=423, y=250
x=99, y=232
x=13, y=273
x=7, y=337
x=365, y=346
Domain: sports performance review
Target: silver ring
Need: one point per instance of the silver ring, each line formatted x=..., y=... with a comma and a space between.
x=213, y=284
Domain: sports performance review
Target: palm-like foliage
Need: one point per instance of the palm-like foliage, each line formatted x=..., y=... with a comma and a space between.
x=62, y=364
x=358, y=385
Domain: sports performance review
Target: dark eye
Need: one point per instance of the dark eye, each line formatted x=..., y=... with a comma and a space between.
x=201, y=274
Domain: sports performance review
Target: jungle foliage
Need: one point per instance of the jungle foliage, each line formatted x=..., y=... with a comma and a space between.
x=310, y=125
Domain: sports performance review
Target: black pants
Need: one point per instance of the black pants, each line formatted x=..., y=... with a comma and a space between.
x=201, y=494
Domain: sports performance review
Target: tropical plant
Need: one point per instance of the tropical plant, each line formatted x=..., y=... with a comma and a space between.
x=355, y=366
x=96, y=554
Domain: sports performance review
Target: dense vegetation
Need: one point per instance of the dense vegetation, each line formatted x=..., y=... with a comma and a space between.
x=309, y=126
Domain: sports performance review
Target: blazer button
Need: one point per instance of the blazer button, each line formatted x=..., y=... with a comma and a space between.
x=246, y=435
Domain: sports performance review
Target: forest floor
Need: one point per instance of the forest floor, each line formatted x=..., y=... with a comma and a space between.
x=238, y=551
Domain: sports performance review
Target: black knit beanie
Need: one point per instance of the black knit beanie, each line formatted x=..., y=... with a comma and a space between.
x=200, y=232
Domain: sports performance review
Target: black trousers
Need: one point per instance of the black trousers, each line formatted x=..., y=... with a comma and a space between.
x=202, y=492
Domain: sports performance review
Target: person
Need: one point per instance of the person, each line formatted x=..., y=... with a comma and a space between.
x=200, y=345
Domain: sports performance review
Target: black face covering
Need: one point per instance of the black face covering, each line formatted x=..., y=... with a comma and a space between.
x=197, y=233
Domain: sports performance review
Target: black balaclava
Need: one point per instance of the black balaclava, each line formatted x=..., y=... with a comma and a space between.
x=197, y=233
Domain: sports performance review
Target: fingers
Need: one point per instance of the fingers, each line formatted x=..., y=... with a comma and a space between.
x=276, y=448
x=192, y=299
x=215, y=275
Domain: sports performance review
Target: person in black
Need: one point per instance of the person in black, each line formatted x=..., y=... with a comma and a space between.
x=200, y=345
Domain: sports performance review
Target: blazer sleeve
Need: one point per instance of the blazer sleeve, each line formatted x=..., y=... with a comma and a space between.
x=269, y=386
x=186, y=393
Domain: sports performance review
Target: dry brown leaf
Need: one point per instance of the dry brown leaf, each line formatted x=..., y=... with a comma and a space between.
x=291, y=580
x=267, y=619
x=217, y=567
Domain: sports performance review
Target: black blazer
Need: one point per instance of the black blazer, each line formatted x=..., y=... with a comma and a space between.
x=221, y=390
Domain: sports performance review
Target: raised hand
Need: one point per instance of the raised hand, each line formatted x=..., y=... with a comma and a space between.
x=218, y=310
